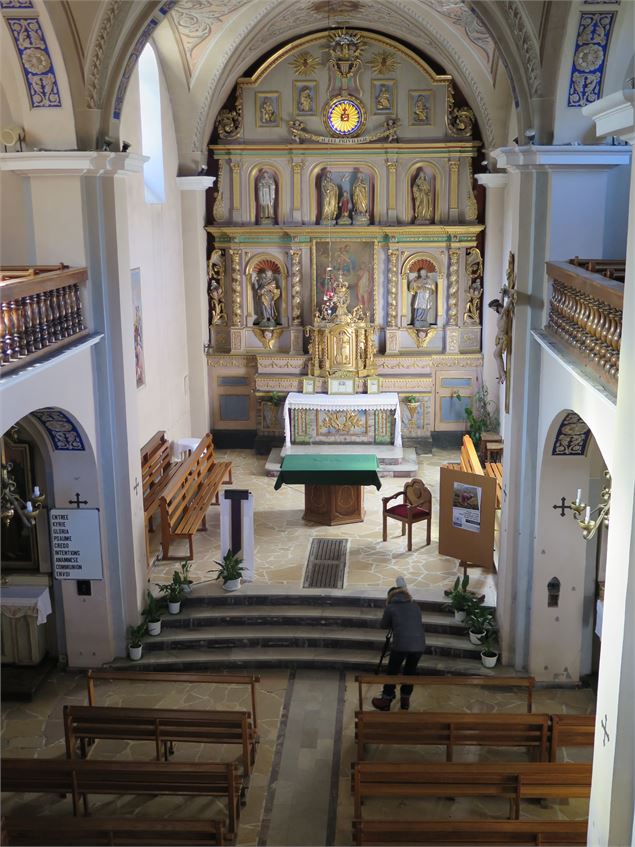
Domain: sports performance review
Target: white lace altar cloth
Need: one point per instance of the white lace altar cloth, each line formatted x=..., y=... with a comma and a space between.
x=339, y=402
x=19, y=600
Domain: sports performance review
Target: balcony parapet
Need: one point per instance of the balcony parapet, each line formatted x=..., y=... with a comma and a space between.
x=585, y=314
x=41, y=312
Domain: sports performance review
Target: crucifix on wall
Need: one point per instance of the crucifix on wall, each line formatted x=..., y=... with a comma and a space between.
x=504, y=308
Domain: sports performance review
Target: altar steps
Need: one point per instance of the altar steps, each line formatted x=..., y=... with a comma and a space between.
x=308, y=630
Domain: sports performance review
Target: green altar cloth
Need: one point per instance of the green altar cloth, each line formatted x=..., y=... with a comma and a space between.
x=352, y=469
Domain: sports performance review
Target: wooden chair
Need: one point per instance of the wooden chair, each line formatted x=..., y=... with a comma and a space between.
x=416, y=506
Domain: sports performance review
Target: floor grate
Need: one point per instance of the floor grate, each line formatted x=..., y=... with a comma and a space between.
x=326, y=564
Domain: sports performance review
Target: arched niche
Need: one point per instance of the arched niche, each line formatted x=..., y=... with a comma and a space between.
x=280, y=202
x=257, y=264
x=439, y=190
x=344, y=173
x=434, y=265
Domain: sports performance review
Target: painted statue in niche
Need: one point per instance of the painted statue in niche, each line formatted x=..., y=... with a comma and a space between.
x=345, y=209
x=266, y=191
x=422, y=199
x=360, y=200
x=266, y=293
x=422, y=285
x=330, y=199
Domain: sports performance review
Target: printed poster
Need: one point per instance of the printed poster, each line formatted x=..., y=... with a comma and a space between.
x=466, y=507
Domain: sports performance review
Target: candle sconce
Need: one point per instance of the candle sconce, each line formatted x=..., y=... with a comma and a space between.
x=587, y=524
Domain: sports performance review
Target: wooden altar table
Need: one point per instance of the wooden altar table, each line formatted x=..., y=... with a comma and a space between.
x=333, y=485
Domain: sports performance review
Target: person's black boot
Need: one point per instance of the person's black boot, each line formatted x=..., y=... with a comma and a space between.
x=405, y=702
x=382, y=704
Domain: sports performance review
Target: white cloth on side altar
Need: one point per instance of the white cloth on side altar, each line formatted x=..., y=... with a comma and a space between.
x=19, y=600
x=385, y=400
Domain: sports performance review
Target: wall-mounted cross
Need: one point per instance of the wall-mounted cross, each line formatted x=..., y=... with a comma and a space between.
x=561, y=506
x=604, y=724
x=76, y=502
x=136, y=486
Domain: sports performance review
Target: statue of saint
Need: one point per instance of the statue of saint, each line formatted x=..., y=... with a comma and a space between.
x=424, y=291
x=330, y=203
x=267, y=112
x=422, y=197
x=382, y=103
x=266, y=198
x=306, y=100
x=345, y=209
x=503, y=333
x=421, y=110
x=267, y=292
x=215, y=290
x=360, y=196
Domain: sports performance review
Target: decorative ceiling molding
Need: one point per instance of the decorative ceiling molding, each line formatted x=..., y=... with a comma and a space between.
x=466, y=22
x=527, y=41
x=196, y=21
x=96, y=55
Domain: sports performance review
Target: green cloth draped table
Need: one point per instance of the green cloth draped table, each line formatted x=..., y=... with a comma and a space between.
x=333, y=485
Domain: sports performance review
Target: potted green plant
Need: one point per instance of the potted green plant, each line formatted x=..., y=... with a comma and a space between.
x=152, y=614
x=480, y=415
x=136, y=635
x=275, y=398
x=174, y=592
x=479, y=621
x=230, y=571
x=489, y=656
x=186, y=566
x=411, y=399
x=461, y=599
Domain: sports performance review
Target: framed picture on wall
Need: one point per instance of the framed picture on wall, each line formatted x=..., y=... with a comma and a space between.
x=420, y=108
x=268, y=109
x=372, y=385
x=342, y=385
x=308, y=385
x=384, y=96
x=357, y=262
x=305, y=97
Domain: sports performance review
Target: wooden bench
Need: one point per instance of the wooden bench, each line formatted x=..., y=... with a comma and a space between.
x=470, y=832
x=495, y=470
x=512, y=781
x=157, y=470
x=470, y=463
x=178, y=679
x=520, y=682
x=451, y=730
x=88, y=831
x=79, y=778
x=162, y=727
x=188, y=495
x=570, y=731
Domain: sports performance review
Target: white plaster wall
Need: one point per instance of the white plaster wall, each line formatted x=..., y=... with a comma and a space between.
x=156, y=247
x=16, y=220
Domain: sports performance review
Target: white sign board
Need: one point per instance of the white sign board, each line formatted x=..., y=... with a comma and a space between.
x=76, y=543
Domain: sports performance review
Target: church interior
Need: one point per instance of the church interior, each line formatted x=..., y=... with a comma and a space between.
x=301, y=297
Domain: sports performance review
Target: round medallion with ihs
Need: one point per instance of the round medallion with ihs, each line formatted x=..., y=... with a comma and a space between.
x=344, y=116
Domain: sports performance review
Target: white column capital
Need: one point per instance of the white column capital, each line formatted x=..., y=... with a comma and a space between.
x=491, y=181
x=561, y=157
x=72, y=163
x=614, y=114
x=195, y=183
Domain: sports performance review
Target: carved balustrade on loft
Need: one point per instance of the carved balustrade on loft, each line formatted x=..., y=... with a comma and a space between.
x=585, y=313
x=41, y=312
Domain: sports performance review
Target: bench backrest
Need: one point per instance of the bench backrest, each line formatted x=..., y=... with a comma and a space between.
x=470, y=461
x=155, y=460
x=470, y=832
x=571, y=731
x=189, y=481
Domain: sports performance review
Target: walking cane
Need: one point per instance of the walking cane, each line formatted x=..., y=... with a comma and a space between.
x=384, y=650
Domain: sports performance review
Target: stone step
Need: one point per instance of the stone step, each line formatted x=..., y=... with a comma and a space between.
x=216, y=638
x=289, y=658
x=192, y=617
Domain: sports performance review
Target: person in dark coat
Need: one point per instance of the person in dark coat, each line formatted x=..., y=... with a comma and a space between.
x=403, y=616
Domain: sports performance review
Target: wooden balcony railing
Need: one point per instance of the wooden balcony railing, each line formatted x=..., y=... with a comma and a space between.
x=41, y=312
x=585, y=312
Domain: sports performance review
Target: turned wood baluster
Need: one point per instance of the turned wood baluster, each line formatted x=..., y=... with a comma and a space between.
x=67, y=292
x=5, y=333
x=61, y=308
x=18, y=341
x=45, y=318
x=79, y=315
x=602, y=348
x=36, y=324
x=55, y=328
x=28, y=323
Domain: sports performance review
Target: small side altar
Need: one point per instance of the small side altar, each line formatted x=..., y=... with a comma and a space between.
x=342, y=419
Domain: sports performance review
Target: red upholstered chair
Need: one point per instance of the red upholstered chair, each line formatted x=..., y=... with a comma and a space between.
x=416, y=506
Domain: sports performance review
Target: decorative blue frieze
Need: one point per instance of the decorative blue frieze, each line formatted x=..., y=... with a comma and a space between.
x=572, y=436
x=60, y=428
x=167, y=6
x=589, y=58
x=16, y=4
x=131, y=64
x=36, y=62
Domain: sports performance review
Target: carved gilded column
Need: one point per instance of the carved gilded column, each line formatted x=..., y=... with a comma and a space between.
x=453, y=288
x=471, y=209
x=393, y=277
x=296, y=286
x=236, y=289
x=235, y=166
x=392, y=189
x=297, y=185
x=454, y=184
x=219, y=203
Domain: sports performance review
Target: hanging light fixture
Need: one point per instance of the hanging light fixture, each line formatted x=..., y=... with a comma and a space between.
x=588, y=525
x=12, y=503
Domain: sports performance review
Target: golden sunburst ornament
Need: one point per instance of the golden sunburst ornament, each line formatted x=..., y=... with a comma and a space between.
x=345, y=116
x=383, y=63
x=305, y=63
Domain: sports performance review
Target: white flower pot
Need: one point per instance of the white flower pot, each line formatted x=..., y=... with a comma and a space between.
x=174, y=608
x=459, y=617
x=154, y=627
x=476, y=637
x=134, y=653
x=489, y=661
x=232, y=584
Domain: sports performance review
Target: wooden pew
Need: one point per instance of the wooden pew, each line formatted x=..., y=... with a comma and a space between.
x=570, y=731
x=512, y=781
x=162, y=727
x=157, y=470
x=470, y=832
x=521, y=682
x=79, y=778
x=64, y=831
x=178, y=679
x=452, y=730
x=188, y=495
x=495, y=470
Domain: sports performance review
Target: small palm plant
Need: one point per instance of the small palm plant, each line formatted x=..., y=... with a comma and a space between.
x=230, y=568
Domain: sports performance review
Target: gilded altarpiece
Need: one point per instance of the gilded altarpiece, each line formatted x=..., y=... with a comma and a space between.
x=330, y=173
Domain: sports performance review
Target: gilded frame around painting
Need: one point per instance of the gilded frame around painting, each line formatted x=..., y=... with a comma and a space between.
x=19, y=544
x=357, y=260
x=413, y=96
x=376, y=88
x=300, y=85
x=274, y=98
